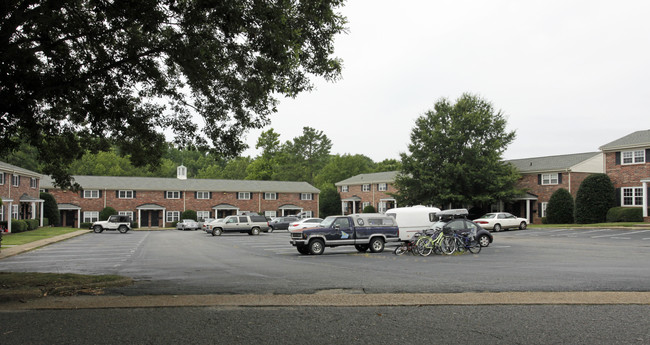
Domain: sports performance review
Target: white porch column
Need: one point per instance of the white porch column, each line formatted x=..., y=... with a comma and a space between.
x=528, y=211
x=139, y=218
x=79, y=219
x=10, y=212
x=645, y=198
x=342, y=207
x=42, y=204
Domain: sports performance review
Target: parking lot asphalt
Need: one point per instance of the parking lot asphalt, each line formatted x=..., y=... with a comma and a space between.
x=331, y=298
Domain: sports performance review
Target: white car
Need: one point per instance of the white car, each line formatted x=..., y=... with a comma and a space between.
x=497, y=221
x=305, y=223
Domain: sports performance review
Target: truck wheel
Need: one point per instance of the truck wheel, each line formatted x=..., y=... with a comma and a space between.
x=316, y=247
x=304, y=250
x=254, y=231
x=97, y=229
x=216, y=232
x=361, y=248
x=376, y=245
x=122, y=229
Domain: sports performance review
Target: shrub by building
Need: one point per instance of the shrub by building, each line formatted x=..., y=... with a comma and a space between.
x=560, y=208
x=595, y=197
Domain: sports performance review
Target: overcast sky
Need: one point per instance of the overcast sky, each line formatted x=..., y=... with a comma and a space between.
x=570, y=76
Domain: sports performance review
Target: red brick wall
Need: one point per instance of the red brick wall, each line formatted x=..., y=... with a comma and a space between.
x=544, y=192
x=629, y=175
x=186, y=202
x=373, y=196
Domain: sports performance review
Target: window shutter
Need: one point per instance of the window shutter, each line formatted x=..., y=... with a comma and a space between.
x=263, y=196
x=237, y=195
x=618, y=158
x=81, y=193
x=647, y=155
x=133, y=194
x=539, y=211
x=196, y=195
x=210, y=193
x=117, y=194
x=165, y=195
x=100, y=193
x=539, y=178
x=559, y=178
x=618, y=197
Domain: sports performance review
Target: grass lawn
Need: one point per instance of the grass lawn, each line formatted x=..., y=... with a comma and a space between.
x=598, y=225
x=14, y=284
x=34, y=235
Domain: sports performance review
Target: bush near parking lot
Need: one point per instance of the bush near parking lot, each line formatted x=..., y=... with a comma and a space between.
x=369, y=209
x=560, y=207
x=595, y=197
x=50, y=208
x=32, y=224
x=18, y=225
x=625, y=214
x=106, y=212
x=188, y=214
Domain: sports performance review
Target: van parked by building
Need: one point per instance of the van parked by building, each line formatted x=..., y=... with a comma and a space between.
x=413, y=219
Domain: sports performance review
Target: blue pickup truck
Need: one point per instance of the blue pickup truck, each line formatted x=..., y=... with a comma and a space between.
x=363, y=231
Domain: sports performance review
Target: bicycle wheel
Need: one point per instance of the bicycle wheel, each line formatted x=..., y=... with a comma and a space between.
x=401, y=249
x=424, y=246
x=414, y=249
x=448, y=245
x=474, y=247
x=460, y=245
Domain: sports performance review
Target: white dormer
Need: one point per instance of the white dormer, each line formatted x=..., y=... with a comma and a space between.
x=181, y=173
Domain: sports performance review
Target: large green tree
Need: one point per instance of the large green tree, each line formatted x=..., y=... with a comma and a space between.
x=84, y=74
x=455, y=156
x=303, y=157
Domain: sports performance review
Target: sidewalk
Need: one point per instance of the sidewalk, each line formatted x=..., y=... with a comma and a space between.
x=6, y=252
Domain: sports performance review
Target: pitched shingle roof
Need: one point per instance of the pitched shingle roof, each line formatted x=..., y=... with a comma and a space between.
x=636, y=139
x=173, y=184
x=9, y=167
x=380, y=177
x=551, y=163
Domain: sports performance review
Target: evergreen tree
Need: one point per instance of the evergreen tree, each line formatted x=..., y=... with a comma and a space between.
x=595, y=197
x=50, y=209
x=560, y=208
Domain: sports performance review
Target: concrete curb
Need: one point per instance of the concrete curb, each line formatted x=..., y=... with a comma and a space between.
x=335, y=300
x=11, y=251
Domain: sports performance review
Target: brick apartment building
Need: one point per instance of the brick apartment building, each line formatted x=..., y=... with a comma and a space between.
x=19, y=190
x=158, y=202
x=626, y=161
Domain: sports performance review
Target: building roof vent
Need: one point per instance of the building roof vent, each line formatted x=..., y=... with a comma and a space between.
x=181, y=173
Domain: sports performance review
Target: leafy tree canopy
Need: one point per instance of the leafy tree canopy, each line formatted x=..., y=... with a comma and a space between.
x=455, y=156
x=83, y=74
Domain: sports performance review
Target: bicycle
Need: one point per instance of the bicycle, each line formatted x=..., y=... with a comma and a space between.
x=408, y=246
x=431, y=242
x=461, y=242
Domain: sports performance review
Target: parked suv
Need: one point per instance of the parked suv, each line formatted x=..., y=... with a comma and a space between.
x=251, y=224
x=114, y=222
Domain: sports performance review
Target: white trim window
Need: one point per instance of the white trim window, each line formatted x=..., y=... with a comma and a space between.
x=544, y=205
x=125, y=194
x=173, y=216
x=382, y=187
x=382, y=207
x=270, y=196
x=2, y=178
x=2, y=212
x=548, y=179
x=14, y=211
x=633, y=157
x=15, y=180
x=345, y=189
x=202, y=215
x=126, y=213
x=203, y=195
x=173, y=194
x=91, y=216
x=364, y=205
x=306, y=196
x=91, y=194
x=244, y=196
x=365, y=188
x=271, y=214
x=632, y=196
x=33, y=182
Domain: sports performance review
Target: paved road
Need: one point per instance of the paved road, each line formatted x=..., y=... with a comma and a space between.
x=176, y=262
x=556, y=324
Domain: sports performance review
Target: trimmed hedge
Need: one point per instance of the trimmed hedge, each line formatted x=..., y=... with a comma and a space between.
x=18, y=225
x=369, y=209
x=595, y=197
x=625, y=214
x=86, y=225
x=32, y=224
x=188, y=214
x=560, y=207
